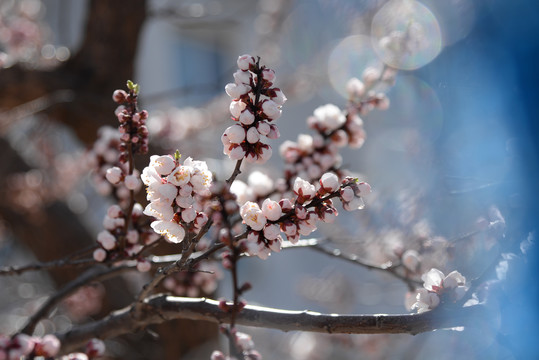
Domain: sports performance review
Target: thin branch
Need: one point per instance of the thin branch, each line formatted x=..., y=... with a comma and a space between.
x=316, y=244
x=162, y=308
x=235, y=173
x=91, y=275
x=62, y=263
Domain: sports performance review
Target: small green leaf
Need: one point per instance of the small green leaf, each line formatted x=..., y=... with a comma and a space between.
x=177, y=155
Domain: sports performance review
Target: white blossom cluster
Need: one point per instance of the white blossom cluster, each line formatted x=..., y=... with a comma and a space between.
x=172, y=190
x=21, y=345
x=114, y=229
x=297, y=218
x=438, y=288
x=255, y=104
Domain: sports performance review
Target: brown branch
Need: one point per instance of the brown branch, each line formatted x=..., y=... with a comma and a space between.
x=162, y=308
x=91, y=275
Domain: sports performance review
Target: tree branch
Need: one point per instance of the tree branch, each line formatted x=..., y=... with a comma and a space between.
x=162, y=308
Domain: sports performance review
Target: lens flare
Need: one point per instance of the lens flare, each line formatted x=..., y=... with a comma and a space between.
x=348, y=59
x=406, y=34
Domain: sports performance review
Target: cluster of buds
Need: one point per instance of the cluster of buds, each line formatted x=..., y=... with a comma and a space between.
x=116, y=242
x=438, y=288
x=132, y=122
x=21, y=345
x=175, y=192
x=311, y=156
x=201, y=280
x=95, y=348
x=255, y=104
x=312, y=203
x=363, y=96
x=245, y=345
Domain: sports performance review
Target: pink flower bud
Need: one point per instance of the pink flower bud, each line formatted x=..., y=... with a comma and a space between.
x=263, y=128
x=246, y=117
x=265, y=153
x=132, y=182
x=236, y=107
x=271, y=109
x=329, y=182
x=268, y=75
x=189, y=214
x=236, y=152
x=144, y=265
x=347, y=194
x=114, y=175
x=235, y=134
x=355, y=88
x=107, y=240
x=95, y=348
x=274, y=132
x=132, y=236
x=99, y=255
x=242, y=77
x=245, y=62
x=119, y=96
x=279, y=97
x=271, y=210
x=252, y=135
x=271, y=231
x=114, y=211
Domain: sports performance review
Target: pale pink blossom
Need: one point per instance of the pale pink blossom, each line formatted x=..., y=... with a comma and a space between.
x=271, y=210
x=355, y=88
x=107, y=240
x=271, y=231
x=271, y=109
x=329, y=182
x=304, y=190
x=425, y=301
x=114, y=175
x=189, y=214
x=245, y=61
x=99, y=255
x=242, y=77
x=411, y=260
x=172, y=231
x=236, y=107
x=246, y=117
x=252, y=136
x=235, y=134
x=132, y=182
x=114, y=211
x=144, y=265
x=252, y=216
x=163, y=165
x=95, y=348
x=279, y=97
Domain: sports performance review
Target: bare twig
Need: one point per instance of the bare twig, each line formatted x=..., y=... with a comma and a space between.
x=62, y=263
x=91, y=275
x=317, y=245
x=162, y=308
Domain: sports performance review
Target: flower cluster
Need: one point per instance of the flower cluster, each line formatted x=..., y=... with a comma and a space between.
x=438, y=288
x=244, y=343
x=311, y=204
x=14, y=348
x=255, y=104
x=199, y=281
x=174, y=192
x=115, y=231
x=362, y=94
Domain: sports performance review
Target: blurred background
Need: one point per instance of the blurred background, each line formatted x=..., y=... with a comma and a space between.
x=452, y=162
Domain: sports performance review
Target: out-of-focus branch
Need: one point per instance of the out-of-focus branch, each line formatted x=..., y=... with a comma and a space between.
x=319, y=246
x=91, y=275
x=162, y=308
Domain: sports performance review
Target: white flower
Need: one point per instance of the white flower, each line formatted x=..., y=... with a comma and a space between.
x=173, y=231
x=163, y=165
x=305, y=143
x=271, y=210
x=242, y=191
x=347, y=194
x=180, y=176
x=425, y=301
x=279, y=97
x=236, y=90
x=189, y=214
x=329, y=182
x=252, y=216
x=410, y=260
